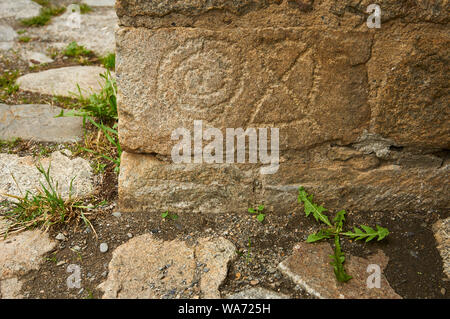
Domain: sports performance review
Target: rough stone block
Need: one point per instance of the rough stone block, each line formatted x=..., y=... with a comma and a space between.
x=241, y=78
x=362, y=113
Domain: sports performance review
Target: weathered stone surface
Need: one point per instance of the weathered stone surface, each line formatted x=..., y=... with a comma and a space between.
x=134, y=271
x=37, y=122
x=267, y=13
x=7, y=36
x=442, y=234
x=99, y=3
x=257, y=293
x=149, y=184
x=95, y=32
x=19, y=174
x=165, y=7
x=10, y=289
x=19, y=9
x=309, y=267
x=409, y=75
x=195, y=74
x=362, y=113
x=360, y=183
x=215, y=255
x=340, y=177
x=146, y=267
x=20, y=254
x=63, y=81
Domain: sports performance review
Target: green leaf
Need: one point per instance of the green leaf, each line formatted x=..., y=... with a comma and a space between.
x=382, y=232
x=251, y=211
x=261, y=217
x=165, y=214
x=337, y=262
x=339, y=220
x=368, y=234
x=311, y=207
x=321, y=234
x=261, y=208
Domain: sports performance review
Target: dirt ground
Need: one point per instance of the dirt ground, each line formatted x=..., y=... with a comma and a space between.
x=414, y=269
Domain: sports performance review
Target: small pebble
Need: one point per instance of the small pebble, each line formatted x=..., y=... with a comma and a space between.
x=117, y=214
x=443, y=291
x=130, y=235
x=254, y=282
x=61, y=237
x=103, y=247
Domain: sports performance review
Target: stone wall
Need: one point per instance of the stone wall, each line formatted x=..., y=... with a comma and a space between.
x=363, y=113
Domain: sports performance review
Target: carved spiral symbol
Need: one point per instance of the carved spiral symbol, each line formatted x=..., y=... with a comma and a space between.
x=198, y=76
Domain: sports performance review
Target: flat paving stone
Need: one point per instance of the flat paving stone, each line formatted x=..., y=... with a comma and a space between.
x=20, y=254
x=19, y=9
x=7, y=37
x=37, y=122
x=95, y=31
x=309, y=267
x=19, y=174
x=147, y=267
x=442, y=234
x=63, y=81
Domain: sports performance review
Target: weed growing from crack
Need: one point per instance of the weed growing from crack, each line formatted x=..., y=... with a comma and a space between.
x=100, y=110
x=45, y=208
x=111, y=135
x=335, y=231
x=109, y=61
x=24, y=39
x=102, y=106
x=44, y=16
x=8, y=84
x=84, y=8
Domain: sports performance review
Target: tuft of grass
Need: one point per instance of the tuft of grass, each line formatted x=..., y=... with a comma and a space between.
x=335, y=230
x=109, y=61
x=44, y=16
x=43, y=3
x=45, y=208
x=8, y=84
x=113, y=151
x=100, y=111
x=102, y=106
x=24, y=39
x=6, y=145
x=74, y=50
x=84, y=8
